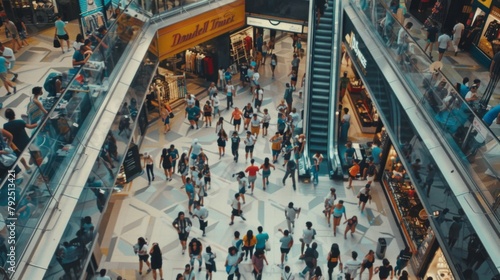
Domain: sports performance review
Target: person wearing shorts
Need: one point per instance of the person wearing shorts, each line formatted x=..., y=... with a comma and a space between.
x=255, y=126
x=444, y=41
x=252, y=174
x=249, y=145
x=236, y=118
x=236, y=209
x=61, y=32
x=276, y=146
x=286, y=243
x=338, y=210
x=215, y=104
x=209, y=258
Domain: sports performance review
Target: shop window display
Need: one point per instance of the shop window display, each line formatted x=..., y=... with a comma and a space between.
x=489, y=41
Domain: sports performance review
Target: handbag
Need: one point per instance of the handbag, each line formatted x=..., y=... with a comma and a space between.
x=8, y=159
x=171, y=115
x=214, y=266
x=57, y=43
x=268, y=246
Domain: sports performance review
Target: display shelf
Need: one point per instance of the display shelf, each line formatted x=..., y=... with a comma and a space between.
x=363, y=109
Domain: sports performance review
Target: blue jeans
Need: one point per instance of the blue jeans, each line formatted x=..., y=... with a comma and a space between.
x=308, y=269
x=315, y=174
x=400, y=264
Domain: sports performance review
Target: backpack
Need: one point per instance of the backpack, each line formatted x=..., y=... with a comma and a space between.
x=50, y=83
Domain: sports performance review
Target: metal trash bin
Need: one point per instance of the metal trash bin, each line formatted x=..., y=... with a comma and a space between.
x=381, y=248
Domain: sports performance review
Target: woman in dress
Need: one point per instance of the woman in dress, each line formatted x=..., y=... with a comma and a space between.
x=351, y=226
x=368, y=264
x=156, y=260
x=183, y=166
x=207, y=113
x=266, y=172
x=333, y=259
x=221, y=143
x=166, y=163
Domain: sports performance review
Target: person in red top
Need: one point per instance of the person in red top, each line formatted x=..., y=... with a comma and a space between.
x=236, y=116
x=353, y=172
x=252, y=174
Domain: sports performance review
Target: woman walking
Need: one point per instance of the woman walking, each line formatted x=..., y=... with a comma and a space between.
x=156, y=260
x=235, y=144
x=209, y=258
x=338, y=210
x=385, y=270
x=368, y=264
x=274, y=62
x=141, y=249
x=148, y=164
x=166, y=163
x=249, y=241
x=219, y=126
x=293, y=79
x=266, y=172
x=242, y=184
x=329, y=203
x=207, y=176
x=207, y=113
x=351, y=226
x=333, y=259
x=183, y=167
x=183, y=226
x=364, y=196
x=258, y=260
x=221, y=143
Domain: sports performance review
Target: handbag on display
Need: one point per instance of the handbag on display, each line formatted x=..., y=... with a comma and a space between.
x=57, y=43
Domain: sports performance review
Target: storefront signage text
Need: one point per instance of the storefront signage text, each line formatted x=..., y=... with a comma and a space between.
x=188, y=33
x=355, y=47
x=205, y=27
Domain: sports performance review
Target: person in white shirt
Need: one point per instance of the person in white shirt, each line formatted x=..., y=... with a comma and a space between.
x=444, y=42
x=202, y=214
x=215, y=104
x=8, y=53
x=221, y=78
x=287, y=274
x=291, y=213
x=352, y=266
x=458, y=30
x=236, y=208
x=258, y=96
x=266, y=118
x=307, y=237
x=249, y=145
x=472, y=95
x=102, y=275
x=209, y=258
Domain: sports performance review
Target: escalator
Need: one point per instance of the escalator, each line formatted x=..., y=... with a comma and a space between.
x=321, y=84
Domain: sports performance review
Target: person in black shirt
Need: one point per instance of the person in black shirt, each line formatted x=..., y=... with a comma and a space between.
x=235, y=143
x=402, y=260
x=385, y=270
x=290, y=171
x=243, y=73
x=311, y=258
x=247, y=114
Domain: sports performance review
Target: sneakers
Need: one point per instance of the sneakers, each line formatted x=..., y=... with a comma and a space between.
x=243, y=218
x=231, y=223
x=286, y=258
x=183, y=251
x=149, y=270
x=14, y=77
x=280, y=266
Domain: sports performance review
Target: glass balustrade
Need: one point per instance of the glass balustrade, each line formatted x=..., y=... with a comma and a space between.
x=475, y=145
x=54, y=143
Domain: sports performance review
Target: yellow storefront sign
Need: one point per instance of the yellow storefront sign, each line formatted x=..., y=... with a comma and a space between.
x=193, y=31
x=486, y=3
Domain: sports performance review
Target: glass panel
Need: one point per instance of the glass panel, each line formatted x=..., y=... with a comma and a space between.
x=462, y=128
x=78, y=238
x=57, y=137
x=460, y=120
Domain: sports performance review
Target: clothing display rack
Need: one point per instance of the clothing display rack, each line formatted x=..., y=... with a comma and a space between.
x=199, y=61
x=169, y=88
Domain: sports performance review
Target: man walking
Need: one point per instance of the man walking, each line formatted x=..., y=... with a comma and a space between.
x=8, y=53
x=202, y=214
x=311, y=259
x=290, y=171
x=286, y=244
x=230, y=93
x=4, y=66
x=11, y=27
x=444, y=41
x=351, y=267
x=252, y=174
x=291, y=213
x=458, y=30
x=249, y=145
x=288, y=97
x=307, y=237
x=236, y=206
